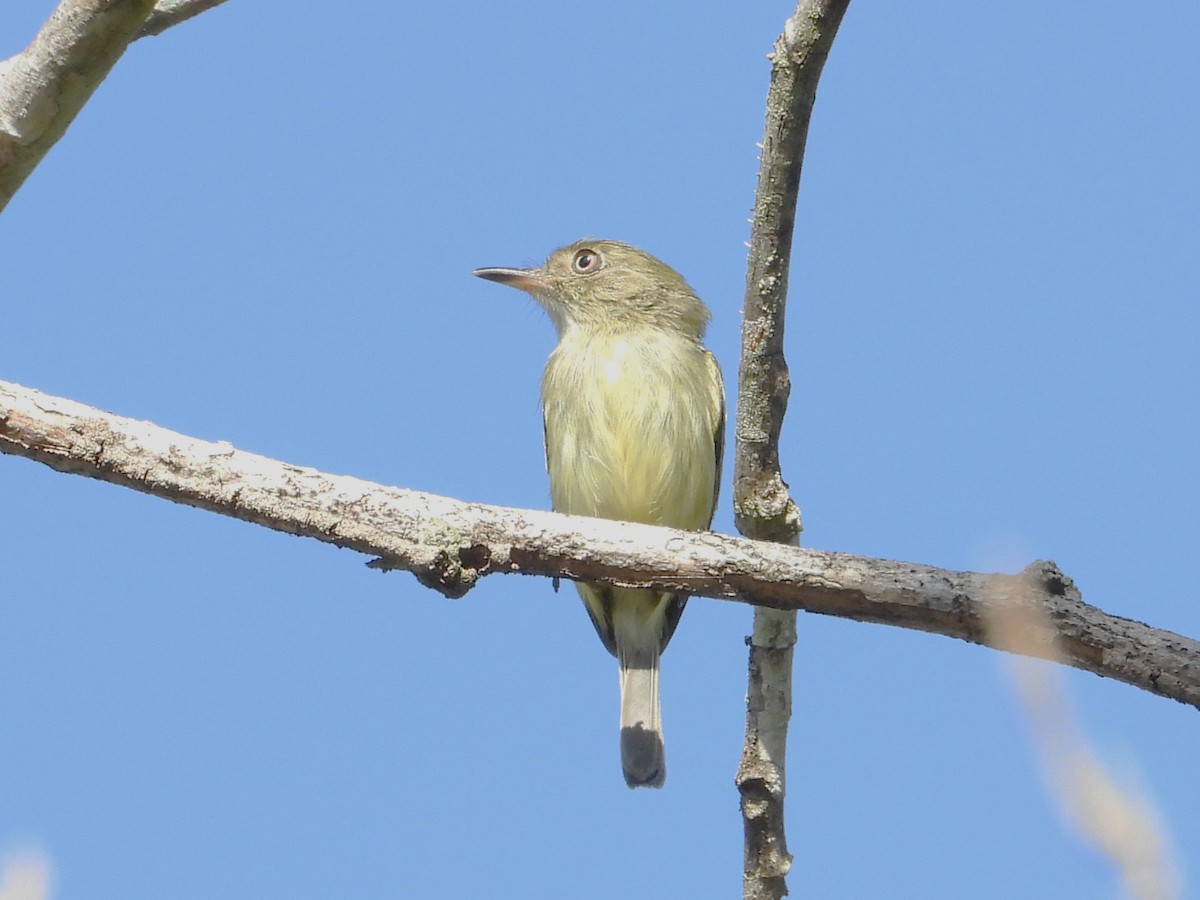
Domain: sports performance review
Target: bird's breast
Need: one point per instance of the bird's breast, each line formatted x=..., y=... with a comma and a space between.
x=630, y=429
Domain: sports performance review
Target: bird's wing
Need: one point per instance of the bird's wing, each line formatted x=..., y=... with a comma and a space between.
x=717, y=407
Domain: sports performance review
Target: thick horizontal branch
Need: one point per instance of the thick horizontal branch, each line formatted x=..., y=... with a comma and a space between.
x=449, y=544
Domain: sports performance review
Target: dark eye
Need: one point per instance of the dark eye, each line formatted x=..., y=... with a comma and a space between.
x=586, y=262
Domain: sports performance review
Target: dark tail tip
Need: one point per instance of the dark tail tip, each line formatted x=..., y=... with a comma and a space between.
x=642, y=757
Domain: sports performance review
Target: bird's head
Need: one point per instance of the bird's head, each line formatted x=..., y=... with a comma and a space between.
x=608, y=285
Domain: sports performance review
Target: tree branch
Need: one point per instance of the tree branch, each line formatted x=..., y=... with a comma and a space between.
x=171, y=12
x=762, y=506
x=761, y=502
x=45, y=86
x=450, y=544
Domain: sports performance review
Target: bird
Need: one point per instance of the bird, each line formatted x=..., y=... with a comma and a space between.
x=634, y=412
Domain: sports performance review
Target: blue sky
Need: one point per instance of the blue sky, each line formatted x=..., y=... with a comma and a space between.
x=261, y=230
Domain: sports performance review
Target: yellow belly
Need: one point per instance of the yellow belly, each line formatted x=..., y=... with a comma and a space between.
x=631, y=429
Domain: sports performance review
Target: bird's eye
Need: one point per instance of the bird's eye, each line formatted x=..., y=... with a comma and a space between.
x=586, y=262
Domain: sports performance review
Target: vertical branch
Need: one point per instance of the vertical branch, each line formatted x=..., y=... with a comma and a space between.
x=762, y=507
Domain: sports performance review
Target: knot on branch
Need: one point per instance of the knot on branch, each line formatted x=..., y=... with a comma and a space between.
x=769, y=516
x=1049, y=578
x=447, y=575
x=760, y=786
x=451, y=571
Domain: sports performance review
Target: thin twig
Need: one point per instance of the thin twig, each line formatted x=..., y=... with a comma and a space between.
x=762, y=506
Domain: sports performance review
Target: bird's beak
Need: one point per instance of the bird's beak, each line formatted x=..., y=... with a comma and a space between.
x=529, y=280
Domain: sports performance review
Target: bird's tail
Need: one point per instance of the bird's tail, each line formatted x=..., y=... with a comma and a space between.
x=642, y=755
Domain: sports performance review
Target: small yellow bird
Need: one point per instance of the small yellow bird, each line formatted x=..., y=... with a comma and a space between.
x=634, y=412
